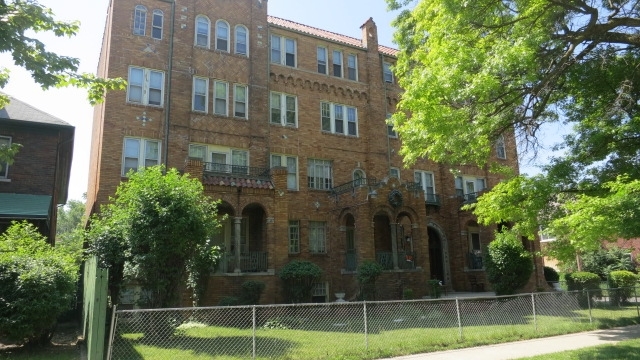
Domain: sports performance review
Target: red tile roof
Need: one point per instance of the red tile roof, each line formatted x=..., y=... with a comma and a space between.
x=236, y=182
x=292, y=25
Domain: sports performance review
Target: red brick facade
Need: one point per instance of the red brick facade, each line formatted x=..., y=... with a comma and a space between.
x=280, y=218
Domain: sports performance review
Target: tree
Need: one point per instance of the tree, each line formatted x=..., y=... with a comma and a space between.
x=70, y=217
x=474, y=71
x=156, y=231
x=19, y=19
x=508, y=264
x=37, y=283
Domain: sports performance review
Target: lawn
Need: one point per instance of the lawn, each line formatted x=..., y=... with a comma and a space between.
x=628, y=349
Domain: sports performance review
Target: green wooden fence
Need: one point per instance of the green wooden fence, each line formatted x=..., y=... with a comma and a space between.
x=94, y=308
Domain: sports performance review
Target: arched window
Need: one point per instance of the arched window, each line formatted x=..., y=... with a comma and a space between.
x=202, y=31
x=139, y=20
x=242, y=40
x=501, y=150
x=222, y=35
x=359, y=178
x=156, y=24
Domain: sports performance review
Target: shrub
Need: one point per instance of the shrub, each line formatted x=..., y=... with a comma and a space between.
x=604, y=261
x=508, y=264
x=550, y=274
x=407, y=294
x=435, y=288
x=37, y=284
x=251, y=292
x=299, y=276
x=367, y=274
x=229, y=301
x=588, y=282
x=622, y=283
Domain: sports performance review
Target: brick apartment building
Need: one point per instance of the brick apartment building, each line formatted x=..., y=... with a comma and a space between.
x=286, y=124
x=37, y=182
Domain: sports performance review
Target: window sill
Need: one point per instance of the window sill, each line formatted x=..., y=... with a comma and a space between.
x=5, y=180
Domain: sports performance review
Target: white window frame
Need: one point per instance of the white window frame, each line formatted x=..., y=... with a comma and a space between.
x=501, y=149
x=291, y=163
x=142, y=155
x=279, y=45
x=197, y=31
x=395, y=170
x=320, y=174
x=205, y=95
x=321, y=59
x=333, y=118
x=239, y=37
x=217, y=97
x=284, y=100
x=236, y=101
x=424, y=178
x=462, y=186
x=140, y=20
x=354, y=68
x=320, y=290
x=4, y=167
x=145, y=86
x=157, y=27
x=294, y=236
x=317, y=237
x=359, y=178
x=387, y=74
x=337, y=63
x=229, y=166
x=220, y=37
x=391, y=132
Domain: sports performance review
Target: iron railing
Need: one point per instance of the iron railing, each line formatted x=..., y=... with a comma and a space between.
x=406, y=259
x=352, y=185
x=250, y=172
x=253, y=261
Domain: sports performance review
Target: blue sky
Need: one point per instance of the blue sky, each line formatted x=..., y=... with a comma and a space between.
x=344, y=17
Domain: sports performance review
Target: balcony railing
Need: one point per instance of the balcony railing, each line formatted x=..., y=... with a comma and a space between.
x=352, y=185
x=351, y=262
x=250, y=172
x=475, y=261
x=469, y=198
x=432, y=199
x=253, y=261
x=406, y=259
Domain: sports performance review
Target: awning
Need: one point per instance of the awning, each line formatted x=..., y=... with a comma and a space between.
x=24, y=206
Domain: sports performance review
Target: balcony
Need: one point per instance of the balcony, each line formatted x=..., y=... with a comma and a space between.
x=248, y=172
x=475, y=261
x=406, y=260
x=432, y=199
x=352, y=185
x=469, y=198
x=253, y=261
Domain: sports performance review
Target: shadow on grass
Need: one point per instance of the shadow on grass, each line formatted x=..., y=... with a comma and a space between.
x=619, y=351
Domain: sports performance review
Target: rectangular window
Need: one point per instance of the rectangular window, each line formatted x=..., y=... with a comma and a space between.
x=332, y=119
x=319, y=293
x=425, y=179
x=475, y=249
x=322, y=60
x=220, y=89
x=337, y=63
x=283, y=51
x=501, y=150
x=200, y=94
x=5, y=141
x=240, y=101
x=139, y=153
x=387, y=74
x=294, y=236
x=291, y=163
x=319, y=174
x=239, y=162
x=145, y=86
x=317, y=237
x=197, y=152
x=468, y=187
x=284, y=109
x=391, y=132
x=156, y=24
x=395, y=172
x=352, y=67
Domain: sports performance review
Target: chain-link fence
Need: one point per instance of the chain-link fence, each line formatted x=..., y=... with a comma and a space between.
x=361, y=329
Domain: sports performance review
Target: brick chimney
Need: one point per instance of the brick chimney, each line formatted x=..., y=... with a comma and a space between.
x=370, y=35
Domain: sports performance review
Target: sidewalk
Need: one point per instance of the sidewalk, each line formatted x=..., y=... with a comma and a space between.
x=525, y=348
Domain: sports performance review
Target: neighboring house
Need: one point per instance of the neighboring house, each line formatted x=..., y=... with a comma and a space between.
x=286, y=124
x=37, y=181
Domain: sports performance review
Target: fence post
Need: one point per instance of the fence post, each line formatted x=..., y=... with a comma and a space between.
x=254, y=331
x=589, y=304
x=112, y=330
x=366, y=331
x=459, y=320
x=533, y=305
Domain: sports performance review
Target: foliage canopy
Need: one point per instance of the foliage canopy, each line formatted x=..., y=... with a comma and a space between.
x=508, y=264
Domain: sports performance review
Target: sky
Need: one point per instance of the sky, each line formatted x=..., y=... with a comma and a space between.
x=71, y=105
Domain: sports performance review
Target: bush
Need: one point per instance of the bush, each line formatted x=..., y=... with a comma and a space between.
x=550, y=274
x=623, y=284
x=604, y=261
x=508, y=264
x=367, y=274
x=588, y=283
x=435, y=288
x=299, y=276
x=251, y=292
x=37, y=284
x=229, y=301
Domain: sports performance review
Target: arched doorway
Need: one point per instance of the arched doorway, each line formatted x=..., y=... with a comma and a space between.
x=436, y=267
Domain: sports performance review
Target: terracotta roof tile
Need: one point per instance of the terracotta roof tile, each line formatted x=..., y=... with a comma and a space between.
x=292, y=25
x=236, y=182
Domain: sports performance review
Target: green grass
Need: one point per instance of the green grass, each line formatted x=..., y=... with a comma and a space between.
x=628, y=349
x=406, y=331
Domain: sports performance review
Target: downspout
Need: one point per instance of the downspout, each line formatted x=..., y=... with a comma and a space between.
x=165, y=152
